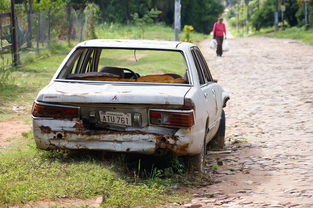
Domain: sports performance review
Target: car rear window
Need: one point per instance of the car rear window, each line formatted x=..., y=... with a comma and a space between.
x=126, y=65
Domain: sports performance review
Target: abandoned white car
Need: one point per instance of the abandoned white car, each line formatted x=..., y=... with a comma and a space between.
x=149, y=97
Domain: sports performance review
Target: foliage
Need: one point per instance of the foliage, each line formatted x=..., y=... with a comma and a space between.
x=264, y=16
x=4, y=5
x=157, y=31
x=21, y=35
x=300, y=13
x=5, y=77
x=262, y=12
x=291, y=10
x=148, y=18
x=201, y=14
x=187, y=31
x=91, y=12
x=43, y=5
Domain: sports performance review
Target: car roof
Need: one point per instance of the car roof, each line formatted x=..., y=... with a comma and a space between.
x=140, y=44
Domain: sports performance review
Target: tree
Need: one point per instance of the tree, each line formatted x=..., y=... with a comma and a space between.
x=91, y=12
x=147, y=19
x=201, y=13
x=291, y=10
x=264, y=16
x=4, y=5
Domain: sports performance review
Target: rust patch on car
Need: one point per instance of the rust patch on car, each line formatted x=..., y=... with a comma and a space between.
x=61, y=92
x=182, y=149
x=126, y=91
x=163, y=143
x=80, y=94
x=45, y=129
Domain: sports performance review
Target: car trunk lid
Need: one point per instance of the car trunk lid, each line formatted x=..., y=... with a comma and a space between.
x=77, y=92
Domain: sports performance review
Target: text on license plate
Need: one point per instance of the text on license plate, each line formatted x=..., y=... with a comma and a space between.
x=115, y=118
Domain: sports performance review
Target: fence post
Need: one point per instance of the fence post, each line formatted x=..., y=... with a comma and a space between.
x=69, y=19
x=30, y=23
x=38, y=33
x=16, y=59
x=49, y=27
x=276, y=20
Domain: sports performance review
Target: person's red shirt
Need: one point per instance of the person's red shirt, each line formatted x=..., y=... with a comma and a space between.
x=219, y=29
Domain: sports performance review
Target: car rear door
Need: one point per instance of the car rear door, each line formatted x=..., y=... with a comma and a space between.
x=208, y=87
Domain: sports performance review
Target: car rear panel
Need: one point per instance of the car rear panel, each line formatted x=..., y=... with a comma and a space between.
x=90, y=131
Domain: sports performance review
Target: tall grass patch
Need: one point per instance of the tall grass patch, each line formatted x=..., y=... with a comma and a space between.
x=30, y=174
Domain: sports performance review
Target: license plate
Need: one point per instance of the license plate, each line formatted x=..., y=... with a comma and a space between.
x=118, y=118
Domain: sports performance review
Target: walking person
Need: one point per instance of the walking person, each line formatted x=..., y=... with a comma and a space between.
x=219, y=32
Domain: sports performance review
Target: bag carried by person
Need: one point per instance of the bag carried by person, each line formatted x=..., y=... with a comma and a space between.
x=225, y=46
x=213, y=44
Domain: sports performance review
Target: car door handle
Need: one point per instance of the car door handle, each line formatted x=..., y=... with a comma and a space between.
x=205, y=95
x=213, y=91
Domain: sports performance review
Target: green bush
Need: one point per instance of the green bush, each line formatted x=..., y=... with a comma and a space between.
x=264, y=16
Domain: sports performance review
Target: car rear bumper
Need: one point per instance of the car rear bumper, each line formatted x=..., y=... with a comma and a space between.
x=61, y=134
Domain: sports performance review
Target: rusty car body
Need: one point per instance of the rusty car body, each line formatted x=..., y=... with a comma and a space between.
x=149, y=97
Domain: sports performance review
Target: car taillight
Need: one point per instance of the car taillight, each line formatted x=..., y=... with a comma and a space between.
x=50, y=111
x=172, y=118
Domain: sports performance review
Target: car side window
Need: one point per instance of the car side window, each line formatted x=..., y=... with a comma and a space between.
x=198, y=67
x=203, y=65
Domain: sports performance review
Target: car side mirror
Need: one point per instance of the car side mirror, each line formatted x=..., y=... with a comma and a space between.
x=215, y=80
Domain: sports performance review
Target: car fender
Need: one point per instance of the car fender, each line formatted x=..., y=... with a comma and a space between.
x=225, y=98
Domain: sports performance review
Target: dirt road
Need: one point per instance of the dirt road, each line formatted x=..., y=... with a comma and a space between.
x=271, y=106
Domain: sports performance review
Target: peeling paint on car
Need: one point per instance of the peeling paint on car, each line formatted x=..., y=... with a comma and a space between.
x=72, y=135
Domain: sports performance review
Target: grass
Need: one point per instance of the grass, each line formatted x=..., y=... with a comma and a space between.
x=29, y=174
x=25, y=81
x=163, y=62
x=296, y=33
x=156, y=31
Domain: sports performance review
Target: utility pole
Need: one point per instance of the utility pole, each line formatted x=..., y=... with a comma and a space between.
x=237, y=18
x=248, y=16
x=276, y=16
x=177, y=19
x=306, y=14
x=283, y=9
x=29, y=22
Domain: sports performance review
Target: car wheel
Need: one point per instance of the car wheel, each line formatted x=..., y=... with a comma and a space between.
x=196, y=162
x=218, y=141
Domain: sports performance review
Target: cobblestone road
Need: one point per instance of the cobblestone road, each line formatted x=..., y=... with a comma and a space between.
x=269, y=125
